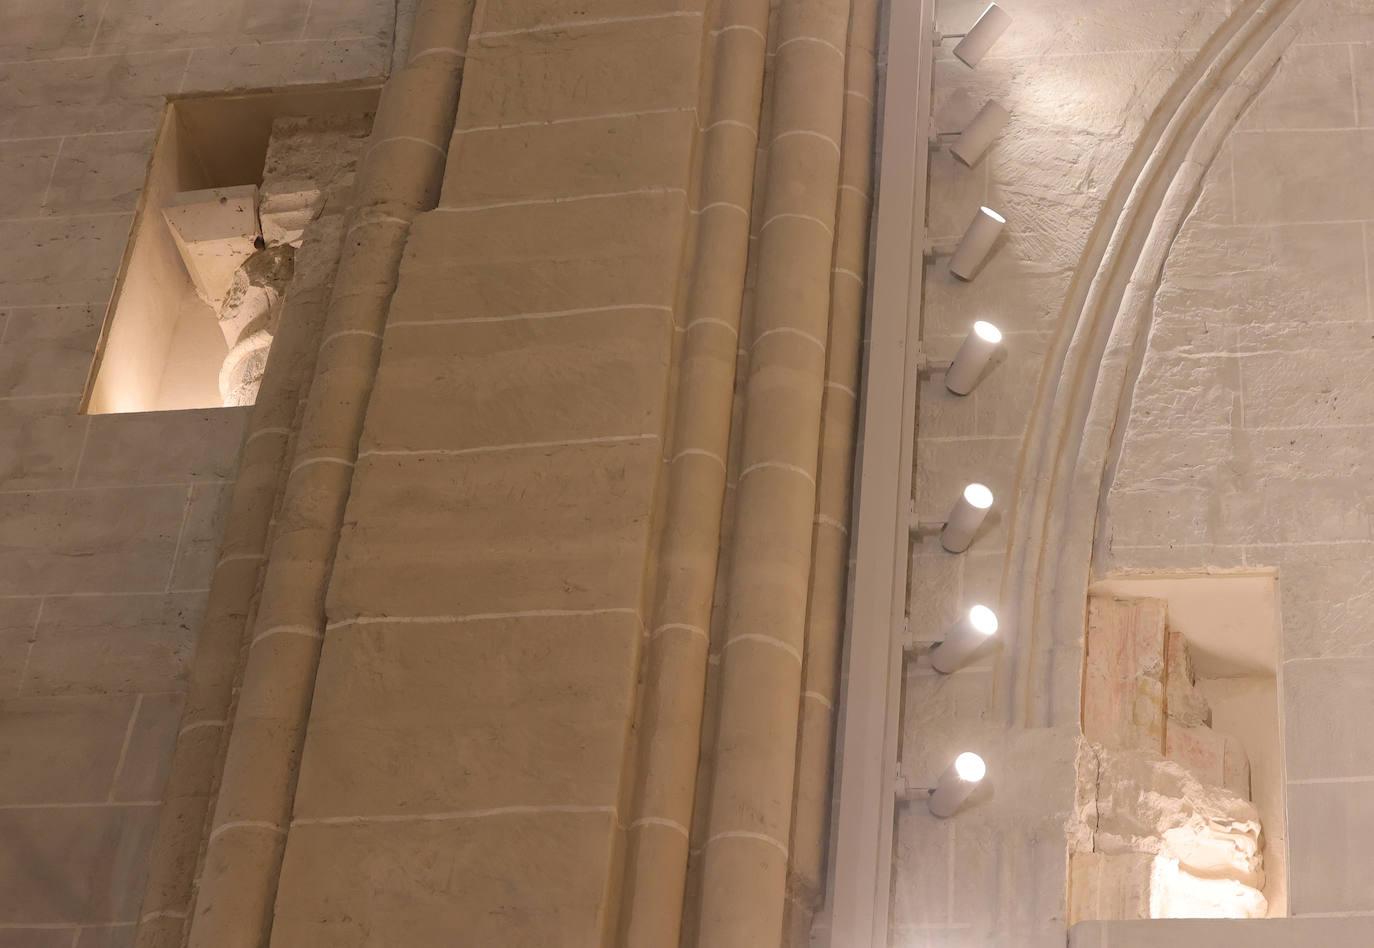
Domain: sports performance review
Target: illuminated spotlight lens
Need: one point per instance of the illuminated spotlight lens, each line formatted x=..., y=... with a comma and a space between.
x=978, y=495
x=993, y=214
x=987, y=331
x=983, y=619
x=970, y=767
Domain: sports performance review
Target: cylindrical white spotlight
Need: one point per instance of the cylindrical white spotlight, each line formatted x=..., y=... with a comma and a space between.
x=978, y=134
x=980, y=37
x=966, y=637
x=976, y=243
x=972, y=357
x=967, y=516
x=956, y=784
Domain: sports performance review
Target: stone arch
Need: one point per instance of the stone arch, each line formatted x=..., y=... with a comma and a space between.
x=1084, y=399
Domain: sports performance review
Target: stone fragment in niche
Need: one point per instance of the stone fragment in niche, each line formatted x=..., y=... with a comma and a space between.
x=1213, y=758
x=1163, y=800
x=1184, y=703
x=1123, y=675
x=1197, y=850
x=248, y=320
x=285, y=216
x=215, y=231
x=310, y=160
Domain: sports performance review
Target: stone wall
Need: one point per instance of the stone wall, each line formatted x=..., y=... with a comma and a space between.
x=1249, y=442
x=109, y=525
x=1081, y=83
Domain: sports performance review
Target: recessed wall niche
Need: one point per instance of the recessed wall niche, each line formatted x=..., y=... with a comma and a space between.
x=1182, y=783
x=233, y=181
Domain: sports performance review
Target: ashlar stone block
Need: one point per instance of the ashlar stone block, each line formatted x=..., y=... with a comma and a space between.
x=516, y=878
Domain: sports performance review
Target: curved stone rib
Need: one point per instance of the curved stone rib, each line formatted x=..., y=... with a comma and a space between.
x=1083, y=402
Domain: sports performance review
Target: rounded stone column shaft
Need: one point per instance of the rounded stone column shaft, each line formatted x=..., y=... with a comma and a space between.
x=676, y=661
x=399, y=177
x=745, y=862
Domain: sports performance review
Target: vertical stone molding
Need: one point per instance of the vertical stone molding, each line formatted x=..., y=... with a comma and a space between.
x=748, y=828
x=399, y=178
x=826, y=606
x=234, y=587
x=487, y=610
x=669, y=718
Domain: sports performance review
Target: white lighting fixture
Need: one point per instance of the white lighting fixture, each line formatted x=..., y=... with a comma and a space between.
x=976, y=243
x=978, y=134
x=972, y=357
x=967, y=516
x=956, y=784
x=980, y=37
x=967, y=636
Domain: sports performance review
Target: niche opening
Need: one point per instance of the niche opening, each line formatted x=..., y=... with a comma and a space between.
x=1213, y=687
x=210, y=253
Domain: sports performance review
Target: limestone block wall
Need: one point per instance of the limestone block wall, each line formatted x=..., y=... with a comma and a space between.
x=1249, y=437
x=484, y=614
x=109, y=525
x=522, y=583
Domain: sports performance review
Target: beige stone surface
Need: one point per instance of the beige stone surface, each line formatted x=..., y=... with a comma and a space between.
x=17, y=618
x=1210, y=933
x=529, y=528
x=98, y=174
x=38, y=937
x=1328, y=708
x=47, y=350
x=418, y=882
x=75, y=96
x=544, y=725
x=255, y=65
x=564, y=378
x=1329, y=846
x=112, y=540
x=107, y=936
x=113, y=644
x=598, y=156
x=67, y=30
x=82, y=88
x=142, y=24
x=25, y=167
x=61, y=750
x=600, y=68
x=40, y=442
x=148, y=748
x=198, y=549
x=93, y=860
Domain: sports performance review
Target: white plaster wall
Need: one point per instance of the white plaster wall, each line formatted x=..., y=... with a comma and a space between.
x=1080, y=79
x=1251, y=436
x=108, y=525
